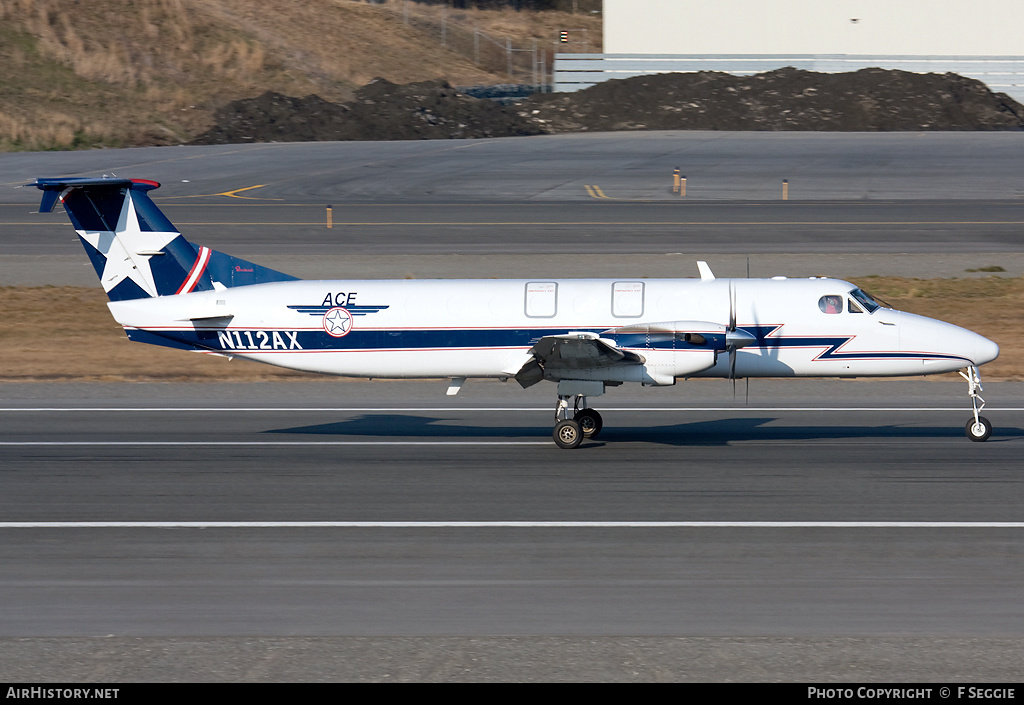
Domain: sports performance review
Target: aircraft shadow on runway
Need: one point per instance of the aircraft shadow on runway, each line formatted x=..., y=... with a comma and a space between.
x=710, y=432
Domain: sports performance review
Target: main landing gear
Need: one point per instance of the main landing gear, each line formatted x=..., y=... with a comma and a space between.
x=979, y=428
x=571, y=430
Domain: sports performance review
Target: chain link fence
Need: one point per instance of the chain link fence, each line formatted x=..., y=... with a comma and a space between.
x=531, y=63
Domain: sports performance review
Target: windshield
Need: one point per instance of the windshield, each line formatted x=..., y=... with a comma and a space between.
x=869, y=304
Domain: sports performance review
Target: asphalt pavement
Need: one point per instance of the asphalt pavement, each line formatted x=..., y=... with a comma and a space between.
x=855, y=516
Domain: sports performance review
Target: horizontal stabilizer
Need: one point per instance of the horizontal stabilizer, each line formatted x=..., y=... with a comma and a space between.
x=52, y=188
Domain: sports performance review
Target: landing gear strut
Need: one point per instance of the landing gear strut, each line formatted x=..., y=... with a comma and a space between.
x=979, y=428
x=584, y=423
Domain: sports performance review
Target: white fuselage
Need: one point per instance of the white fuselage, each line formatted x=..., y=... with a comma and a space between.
x=486, y=328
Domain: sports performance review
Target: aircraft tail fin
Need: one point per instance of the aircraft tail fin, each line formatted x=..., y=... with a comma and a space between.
x=136, y=251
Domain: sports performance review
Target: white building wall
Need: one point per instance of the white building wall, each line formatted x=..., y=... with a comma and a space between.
x=882, y=27
x=982, y=39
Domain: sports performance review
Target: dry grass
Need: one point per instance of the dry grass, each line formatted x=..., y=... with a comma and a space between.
x=67, y=334
x=991, y=306
x=117, y=73
x=84, y=344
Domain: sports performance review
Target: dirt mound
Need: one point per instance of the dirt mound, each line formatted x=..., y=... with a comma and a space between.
x=786, y=99
x=381, y=110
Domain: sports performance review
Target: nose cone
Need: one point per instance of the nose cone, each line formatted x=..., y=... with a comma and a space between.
x=984, y=350
x=965, y=343
x=939, y=340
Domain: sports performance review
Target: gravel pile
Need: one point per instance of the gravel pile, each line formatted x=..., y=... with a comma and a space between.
x=381, y=110
x=869, y=100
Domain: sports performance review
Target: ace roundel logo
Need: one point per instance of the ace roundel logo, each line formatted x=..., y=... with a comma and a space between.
x=338, y=322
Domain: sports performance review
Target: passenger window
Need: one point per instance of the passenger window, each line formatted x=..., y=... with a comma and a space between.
x=831, y=304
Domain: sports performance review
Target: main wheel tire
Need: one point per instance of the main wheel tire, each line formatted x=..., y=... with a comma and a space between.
x=568, y=434
x=979, y=430
x=590, y=421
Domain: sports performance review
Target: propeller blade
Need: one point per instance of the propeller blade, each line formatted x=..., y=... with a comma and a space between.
x=732, y=329
x=732, y=369
x=732, y=307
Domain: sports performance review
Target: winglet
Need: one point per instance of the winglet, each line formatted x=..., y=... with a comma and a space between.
x=706, y=274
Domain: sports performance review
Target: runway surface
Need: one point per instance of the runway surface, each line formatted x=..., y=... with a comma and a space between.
x=573, y=227
x=824, y=531
x=930, y=204
x=636, y=165
x=837, y=513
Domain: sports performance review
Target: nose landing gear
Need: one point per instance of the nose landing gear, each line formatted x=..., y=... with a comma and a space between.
x=979, y=428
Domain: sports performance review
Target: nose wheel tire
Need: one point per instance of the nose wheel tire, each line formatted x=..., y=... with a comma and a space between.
x=979, y=430
x=590, y=421
x=568, y=433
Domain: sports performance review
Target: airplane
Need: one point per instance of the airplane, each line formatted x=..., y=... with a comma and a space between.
x=585, y=335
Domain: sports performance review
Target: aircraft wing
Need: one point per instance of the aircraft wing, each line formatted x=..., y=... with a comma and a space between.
x=556, y=356
x=572, y=351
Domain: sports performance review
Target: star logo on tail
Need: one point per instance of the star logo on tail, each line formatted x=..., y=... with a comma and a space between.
x=128, y=249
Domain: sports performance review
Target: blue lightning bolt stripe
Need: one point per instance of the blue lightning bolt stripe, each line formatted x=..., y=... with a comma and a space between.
x=832, y=346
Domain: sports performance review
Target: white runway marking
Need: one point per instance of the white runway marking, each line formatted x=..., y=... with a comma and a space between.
x=512, y=525
x=701, y=409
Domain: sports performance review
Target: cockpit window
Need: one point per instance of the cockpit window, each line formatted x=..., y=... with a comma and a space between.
x=831, y=303
x=853, y=307
x=865, y=300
